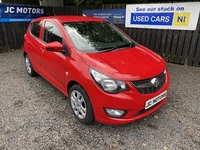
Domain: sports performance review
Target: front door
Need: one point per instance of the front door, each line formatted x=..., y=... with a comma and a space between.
x=55, y=62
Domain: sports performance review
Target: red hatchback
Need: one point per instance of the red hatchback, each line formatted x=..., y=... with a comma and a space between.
x=106, y=75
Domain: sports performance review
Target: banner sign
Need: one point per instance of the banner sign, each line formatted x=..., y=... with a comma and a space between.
x=178, y=16
x=116, y=16
x=18, y=13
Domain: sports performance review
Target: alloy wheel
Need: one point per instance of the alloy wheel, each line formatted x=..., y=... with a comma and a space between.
x=78, y=104
x=28, y=65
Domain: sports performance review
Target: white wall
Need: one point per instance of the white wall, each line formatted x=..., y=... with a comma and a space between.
x=51, y=3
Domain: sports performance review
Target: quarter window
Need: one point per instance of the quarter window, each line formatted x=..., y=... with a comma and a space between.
x=51, y=33
x=35, y=28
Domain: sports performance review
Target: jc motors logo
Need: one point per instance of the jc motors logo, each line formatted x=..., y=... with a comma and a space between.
x=10, y=10
x=23, y=10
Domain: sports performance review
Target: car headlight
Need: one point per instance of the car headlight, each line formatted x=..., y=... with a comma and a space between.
x=108, y=84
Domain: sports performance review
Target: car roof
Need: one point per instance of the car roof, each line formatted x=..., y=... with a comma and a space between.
x=71, y=18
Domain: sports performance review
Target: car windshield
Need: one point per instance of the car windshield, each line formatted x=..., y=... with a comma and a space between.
x=96, y=36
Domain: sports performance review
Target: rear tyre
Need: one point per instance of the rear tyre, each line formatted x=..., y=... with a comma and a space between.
x=81, y=105
x=29, y=67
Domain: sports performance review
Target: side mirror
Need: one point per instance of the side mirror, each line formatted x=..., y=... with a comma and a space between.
x=54, y=47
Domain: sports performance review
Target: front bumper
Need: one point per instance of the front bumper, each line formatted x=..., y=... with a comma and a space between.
x=131, y=101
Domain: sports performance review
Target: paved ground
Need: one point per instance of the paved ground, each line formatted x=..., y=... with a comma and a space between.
x=34, y=115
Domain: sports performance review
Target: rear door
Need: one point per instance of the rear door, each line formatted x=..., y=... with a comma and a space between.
x=32, y=45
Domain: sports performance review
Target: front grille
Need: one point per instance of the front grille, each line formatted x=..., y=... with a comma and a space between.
x=147, y=87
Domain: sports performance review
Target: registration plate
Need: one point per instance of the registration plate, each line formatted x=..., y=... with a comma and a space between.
x=155, y=100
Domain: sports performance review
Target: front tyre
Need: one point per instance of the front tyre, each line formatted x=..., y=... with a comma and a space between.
x=29, y=67
x=80, y=104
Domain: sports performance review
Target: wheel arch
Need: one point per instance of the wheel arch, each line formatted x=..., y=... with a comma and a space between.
x=73, y=82
x=90, y=117
x=25, y=53
x=70, y=84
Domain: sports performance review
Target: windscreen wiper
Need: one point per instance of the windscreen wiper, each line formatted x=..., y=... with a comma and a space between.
x=132, y=44
x=107, y=49
x=127, y=45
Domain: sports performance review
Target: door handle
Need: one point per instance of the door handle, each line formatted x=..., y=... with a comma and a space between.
x=27, y=41
x=42, y=49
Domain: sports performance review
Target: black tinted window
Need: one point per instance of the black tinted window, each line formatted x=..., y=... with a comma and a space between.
x=51, y=33
x=35, y=28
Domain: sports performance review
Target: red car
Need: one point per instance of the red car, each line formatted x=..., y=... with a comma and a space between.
x=106, y=75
